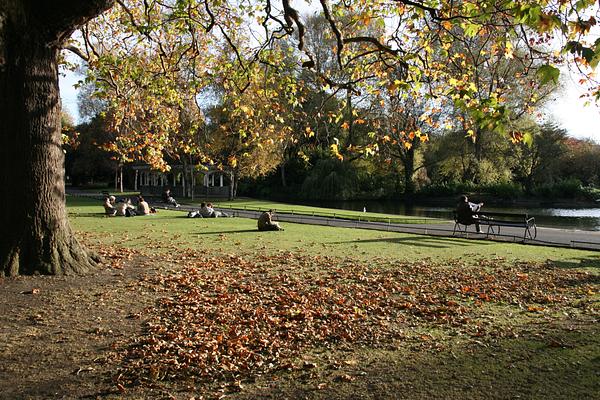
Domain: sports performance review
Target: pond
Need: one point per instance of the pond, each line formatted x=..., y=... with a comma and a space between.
x=567, y=218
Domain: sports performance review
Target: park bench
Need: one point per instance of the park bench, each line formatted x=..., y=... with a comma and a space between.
x=495, y=221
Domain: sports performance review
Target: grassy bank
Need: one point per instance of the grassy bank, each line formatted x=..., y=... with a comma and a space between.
x=211, y=308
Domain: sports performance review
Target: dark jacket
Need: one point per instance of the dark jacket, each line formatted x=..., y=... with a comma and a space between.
x=464, y=213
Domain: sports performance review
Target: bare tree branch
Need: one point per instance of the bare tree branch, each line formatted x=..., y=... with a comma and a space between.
x=77, y=51
x=335, y=30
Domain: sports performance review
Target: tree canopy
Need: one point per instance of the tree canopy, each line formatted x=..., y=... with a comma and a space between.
x=149, y=60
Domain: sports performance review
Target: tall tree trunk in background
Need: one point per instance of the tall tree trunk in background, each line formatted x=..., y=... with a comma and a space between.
x=478, y=145
x=409, y=171
x=121, y=178
x=282, y=172
x=192, y=179
x=35, y=233
x=233, y=186
x=350, y=112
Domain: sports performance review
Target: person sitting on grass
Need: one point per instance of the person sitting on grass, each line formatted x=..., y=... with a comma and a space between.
x=124, y=208
x=109, y=206
x=465, y=210
x=266, y=223
x=142, y=207
x=168, y=199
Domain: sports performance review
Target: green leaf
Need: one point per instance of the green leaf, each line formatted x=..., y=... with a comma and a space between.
x=588, y=54
x=528, y=139
x=471, y=30
x=548, y=73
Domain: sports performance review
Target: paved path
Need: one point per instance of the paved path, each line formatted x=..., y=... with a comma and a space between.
x=545, y=236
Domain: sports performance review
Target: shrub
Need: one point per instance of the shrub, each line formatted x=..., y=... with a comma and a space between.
x=330, y=179
x=447, y=189
x=502, y=190
x=570, y=188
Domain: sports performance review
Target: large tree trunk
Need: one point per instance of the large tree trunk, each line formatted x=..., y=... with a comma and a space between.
x=35, y=233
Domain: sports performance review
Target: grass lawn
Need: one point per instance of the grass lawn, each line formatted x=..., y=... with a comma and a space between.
x=263, y=205
x=211, y=308
x=239, y=236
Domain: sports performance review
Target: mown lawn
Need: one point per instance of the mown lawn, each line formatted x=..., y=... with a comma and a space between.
x=263, y=205
x=240, y=236
x=212, y=308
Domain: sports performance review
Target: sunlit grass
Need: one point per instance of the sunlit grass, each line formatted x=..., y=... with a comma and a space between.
x=263, y=205
x=240, y=236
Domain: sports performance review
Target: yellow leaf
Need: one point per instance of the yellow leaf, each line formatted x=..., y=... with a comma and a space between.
x=232, y=161
x=335, y=151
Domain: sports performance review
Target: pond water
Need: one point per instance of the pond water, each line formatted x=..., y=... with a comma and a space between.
x=569, y=218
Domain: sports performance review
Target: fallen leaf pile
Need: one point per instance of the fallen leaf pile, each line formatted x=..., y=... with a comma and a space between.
x=229, y=317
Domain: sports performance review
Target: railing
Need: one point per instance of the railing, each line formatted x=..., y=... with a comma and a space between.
x=341, y=216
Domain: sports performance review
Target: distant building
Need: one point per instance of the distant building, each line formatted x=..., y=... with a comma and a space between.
x=210, y=183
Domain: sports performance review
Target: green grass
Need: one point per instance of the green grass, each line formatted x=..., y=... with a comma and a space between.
x=263, y=205
x=240, y=236
x=547, y=352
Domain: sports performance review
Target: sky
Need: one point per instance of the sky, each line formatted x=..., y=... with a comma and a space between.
x=567, y=109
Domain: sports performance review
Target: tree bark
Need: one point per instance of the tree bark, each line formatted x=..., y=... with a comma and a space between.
x=233, y=185
x=409, y=171
x=282, y=174
x=36, y=237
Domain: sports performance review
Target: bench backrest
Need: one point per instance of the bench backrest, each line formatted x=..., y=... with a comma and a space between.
x=497, y=216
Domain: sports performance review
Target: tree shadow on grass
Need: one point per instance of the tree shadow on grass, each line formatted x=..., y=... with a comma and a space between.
x=225, y=231
x=590, y=262
x=434, y=242
x=88, y=215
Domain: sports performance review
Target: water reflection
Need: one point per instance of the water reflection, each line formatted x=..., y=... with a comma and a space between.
x=569, y=218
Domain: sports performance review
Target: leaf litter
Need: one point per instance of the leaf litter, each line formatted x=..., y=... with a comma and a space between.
x=229, y=318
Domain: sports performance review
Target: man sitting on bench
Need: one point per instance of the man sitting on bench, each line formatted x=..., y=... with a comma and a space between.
x=465, y=210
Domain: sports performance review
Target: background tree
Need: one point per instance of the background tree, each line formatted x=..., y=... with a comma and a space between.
x=249, y=130
x=403, y=124
x=85, y=160
x=581, y=161
x=541, y=161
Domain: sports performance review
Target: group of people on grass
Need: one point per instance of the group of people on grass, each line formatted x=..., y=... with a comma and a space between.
x=125, y=208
